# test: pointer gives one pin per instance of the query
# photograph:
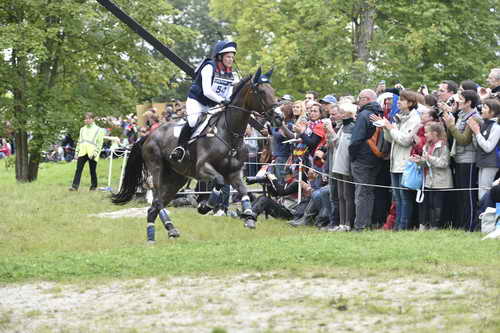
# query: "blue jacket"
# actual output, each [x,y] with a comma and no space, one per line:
[196,90]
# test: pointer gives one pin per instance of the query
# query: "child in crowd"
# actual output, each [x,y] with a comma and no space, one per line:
[437,174]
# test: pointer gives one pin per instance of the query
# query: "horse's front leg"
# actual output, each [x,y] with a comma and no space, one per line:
[205,170]
[246,207]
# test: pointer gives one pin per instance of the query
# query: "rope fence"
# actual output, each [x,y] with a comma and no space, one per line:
[123,153]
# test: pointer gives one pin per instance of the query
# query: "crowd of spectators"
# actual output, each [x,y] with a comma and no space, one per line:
[355,150]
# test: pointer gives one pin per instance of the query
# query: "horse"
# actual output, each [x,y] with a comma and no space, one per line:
[218,156]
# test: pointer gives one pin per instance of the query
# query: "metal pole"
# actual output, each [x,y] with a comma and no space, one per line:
[300,182]
[110,169]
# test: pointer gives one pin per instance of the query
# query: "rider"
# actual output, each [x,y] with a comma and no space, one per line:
[213,85]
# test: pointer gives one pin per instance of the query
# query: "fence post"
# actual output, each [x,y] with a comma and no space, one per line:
[299,198]
[125,157]
[110,169]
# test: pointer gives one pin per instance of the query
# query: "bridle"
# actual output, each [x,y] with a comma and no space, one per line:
[267,114]
[258,94]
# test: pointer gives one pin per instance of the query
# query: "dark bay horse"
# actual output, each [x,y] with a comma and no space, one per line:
[218,157]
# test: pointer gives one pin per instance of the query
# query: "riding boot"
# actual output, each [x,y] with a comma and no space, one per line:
[179,152]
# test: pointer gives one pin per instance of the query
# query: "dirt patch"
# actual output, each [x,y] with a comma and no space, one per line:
[129,212]
[243,303]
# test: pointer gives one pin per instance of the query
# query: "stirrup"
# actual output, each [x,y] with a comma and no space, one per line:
[178,154]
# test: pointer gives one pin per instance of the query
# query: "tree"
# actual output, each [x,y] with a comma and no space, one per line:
[63,58]
[455,40]
[344,46]
[206,31]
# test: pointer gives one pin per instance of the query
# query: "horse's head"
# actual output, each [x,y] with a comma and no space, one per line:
[264,101]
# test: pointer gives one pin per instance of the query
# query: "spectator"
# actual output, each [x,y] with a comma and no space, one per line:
[436,162]
[286,206]
[286,99]
[446,90]
[401,135]
[341,167]
[299,111]
[364,164]
[332,126]
[380,88]
[253,150]
[430,101]
[311,96]
[5,149]
[154,122]
[494,83]
[68,145]
[312,135]
[428,115]
[468,85]
[88,149]
[464,154]
[486,139]
[281,151]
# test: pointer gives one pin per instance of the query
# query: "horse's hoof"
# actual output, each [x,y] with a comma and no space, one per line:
[250,224]
[173,233]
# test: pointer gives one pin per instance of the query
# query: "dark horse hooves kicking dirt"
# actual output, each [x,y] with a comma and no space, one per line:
[218,155]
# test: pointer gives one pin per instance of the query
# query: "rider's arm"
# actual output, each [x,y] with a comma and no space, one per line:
[206,79]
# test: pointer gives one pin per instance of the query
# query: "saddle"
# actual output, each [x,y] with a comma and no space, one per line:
[204,127]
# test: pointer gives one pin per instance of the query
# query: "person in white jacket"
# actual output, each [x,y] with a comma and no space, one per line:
[401,133]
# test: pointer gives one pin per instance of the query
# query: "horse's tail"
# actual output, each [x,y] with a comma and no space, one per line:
[133,175]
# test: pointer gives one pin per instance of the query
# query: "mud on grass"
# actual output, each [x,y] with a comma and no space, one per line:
[268,302]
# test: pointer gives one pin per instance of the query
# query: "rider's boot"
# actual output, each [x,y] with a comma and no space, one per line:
[179,152]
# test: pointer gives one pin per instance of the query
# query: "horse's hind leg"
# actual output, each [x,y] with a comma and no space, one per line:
[170,183]
[154,210]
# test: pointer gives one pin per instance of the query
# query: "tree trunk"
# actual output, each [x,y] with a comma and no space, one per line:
[363,29]
[22,156]
[34,161]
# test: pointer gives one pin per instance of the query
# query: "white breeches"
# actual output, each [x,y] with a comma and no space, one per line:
[193,110]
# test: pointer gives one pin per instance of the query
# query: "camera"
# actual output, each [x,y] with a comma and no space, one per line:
[257,180]
[278,119]
[451,101]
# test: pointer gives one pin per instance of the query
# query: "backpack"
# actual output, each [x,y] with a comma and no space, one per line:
[377,143]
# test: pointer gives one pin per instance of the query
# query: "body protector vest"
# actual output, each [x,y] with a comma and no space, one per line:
[222,84]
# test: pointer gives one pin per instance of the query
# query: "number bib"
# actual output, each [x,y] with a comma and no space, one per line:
[223,84]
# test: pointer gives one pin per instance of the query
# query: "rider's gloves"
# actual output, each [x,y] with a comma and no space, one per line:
[226,102]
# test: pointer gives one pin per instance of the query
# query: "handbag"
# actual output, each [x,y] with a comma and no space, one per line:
[413,176]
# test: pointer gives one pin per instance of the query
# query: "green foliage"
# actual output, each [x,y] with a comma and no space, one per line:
[454,40]
[312,43]
[64,58]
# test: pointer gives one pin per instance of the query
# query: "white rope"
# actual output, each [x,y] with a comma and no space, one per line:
[374,185]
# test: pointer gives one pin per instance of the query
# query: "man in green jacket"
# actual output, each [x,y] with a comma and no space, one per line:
[88,149]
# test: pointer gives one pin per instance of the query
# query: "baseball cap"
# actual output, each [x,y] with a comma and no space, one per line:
[328,99]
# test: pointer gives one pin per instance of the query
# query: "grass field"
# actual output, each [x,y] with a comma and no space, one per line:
[47,234]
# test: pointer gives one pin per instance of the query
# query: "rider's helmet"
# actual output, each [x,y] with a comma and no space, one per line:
[222,47]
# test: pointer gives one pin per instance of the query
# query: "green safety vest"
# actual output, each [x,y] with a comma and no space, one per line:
[90,141]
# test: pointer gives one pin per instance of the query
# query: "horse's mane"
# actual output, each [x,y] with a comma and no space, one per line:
[239,86]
